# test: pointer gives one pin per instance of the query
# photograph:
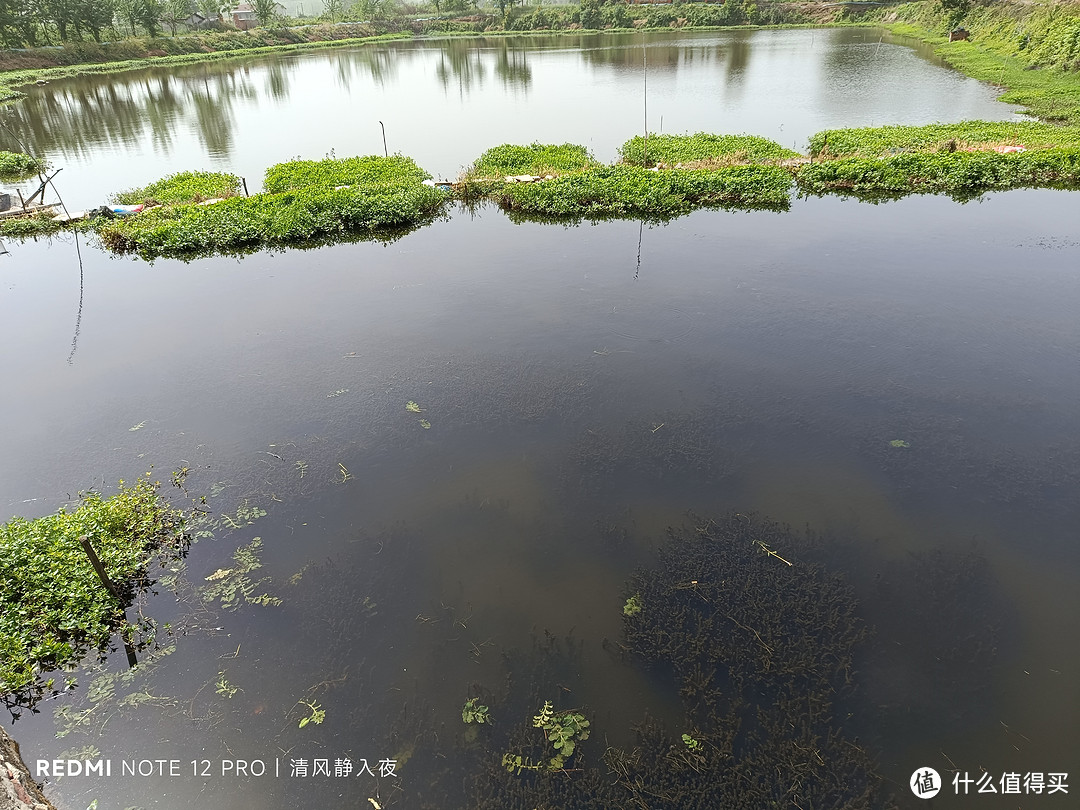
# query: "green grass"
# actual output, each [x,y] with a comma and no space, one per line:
[702,150]
[271,219]
[16,166]
[332,172]
[962,175]
[614,191]
[183,187]
[879,141]
[537,159]
[53,608]
[1031,50]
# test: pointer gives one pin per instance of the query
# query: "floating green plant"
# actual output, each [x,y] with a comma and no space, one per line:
[632,606]
[702,150]
[564,730]
[53,607]
[536,159]
[232,587]
[183,187]
[899,443]
[472,712]
[316,713]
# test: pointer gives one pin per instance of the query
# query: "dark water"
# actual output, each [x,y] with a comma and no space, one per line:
[585,388]
[445,102]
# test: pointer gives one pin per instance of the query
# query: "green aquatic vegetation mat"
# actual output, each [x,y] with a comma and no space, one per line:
[16,166]
[875,142]
[183,187]
[960,174]
[285,218]
[536,159]
[332,172]
[54,608]
[703,149]
[632,191]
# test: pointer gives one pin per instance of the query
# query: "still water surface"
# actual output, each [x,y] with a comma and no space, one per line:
[585,387]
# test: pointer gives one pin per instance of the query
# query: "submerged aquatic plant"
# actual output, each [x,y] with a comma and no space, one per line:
[472,712]
[232,587]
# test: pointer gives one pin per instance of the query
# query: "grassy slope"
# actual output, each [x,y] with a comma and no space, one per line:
[1033,51]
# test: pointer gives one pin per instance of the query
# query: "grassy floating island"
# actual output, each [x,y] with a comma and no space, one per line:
[305,200]
[962,160]
[702,151]
[573,185]
[16,166]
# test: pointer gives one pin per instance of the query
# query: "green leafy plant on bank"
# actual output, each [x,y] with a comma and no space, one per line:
[702,150]
[1030,50]
[183,187]
[53,607]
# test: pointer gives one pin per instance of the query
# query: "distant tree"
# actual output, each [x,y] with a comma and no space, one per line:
[174,12]
[266,11]
[148,14]
[333,10]
[213,8]
[96,15]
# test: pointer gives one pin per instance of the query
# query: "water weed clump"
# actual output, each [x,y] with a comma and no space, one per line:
[333,172]
[16,166]
[962,175]
[702,150]
[873,142]
[54,607]
[183,187]
[536,159]
[271,219]
[610,191]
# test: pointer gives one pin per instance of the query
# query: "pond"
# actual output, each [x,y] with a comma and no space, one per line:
[458,447]
[444,102]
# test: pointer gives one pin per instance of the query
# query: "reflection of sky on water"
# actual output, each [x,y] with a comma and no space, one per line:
[443,103]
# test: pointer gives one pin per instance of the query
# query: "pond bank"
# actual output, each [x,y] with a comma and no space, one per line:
[1031,51]
[18,790]
[658,179]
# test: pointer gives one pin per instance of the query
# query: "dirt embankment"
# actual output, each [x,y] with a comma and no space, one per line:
[18,790]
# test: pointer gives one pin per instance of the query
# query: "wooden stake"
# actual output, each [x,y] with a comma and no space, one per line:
[95,561]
